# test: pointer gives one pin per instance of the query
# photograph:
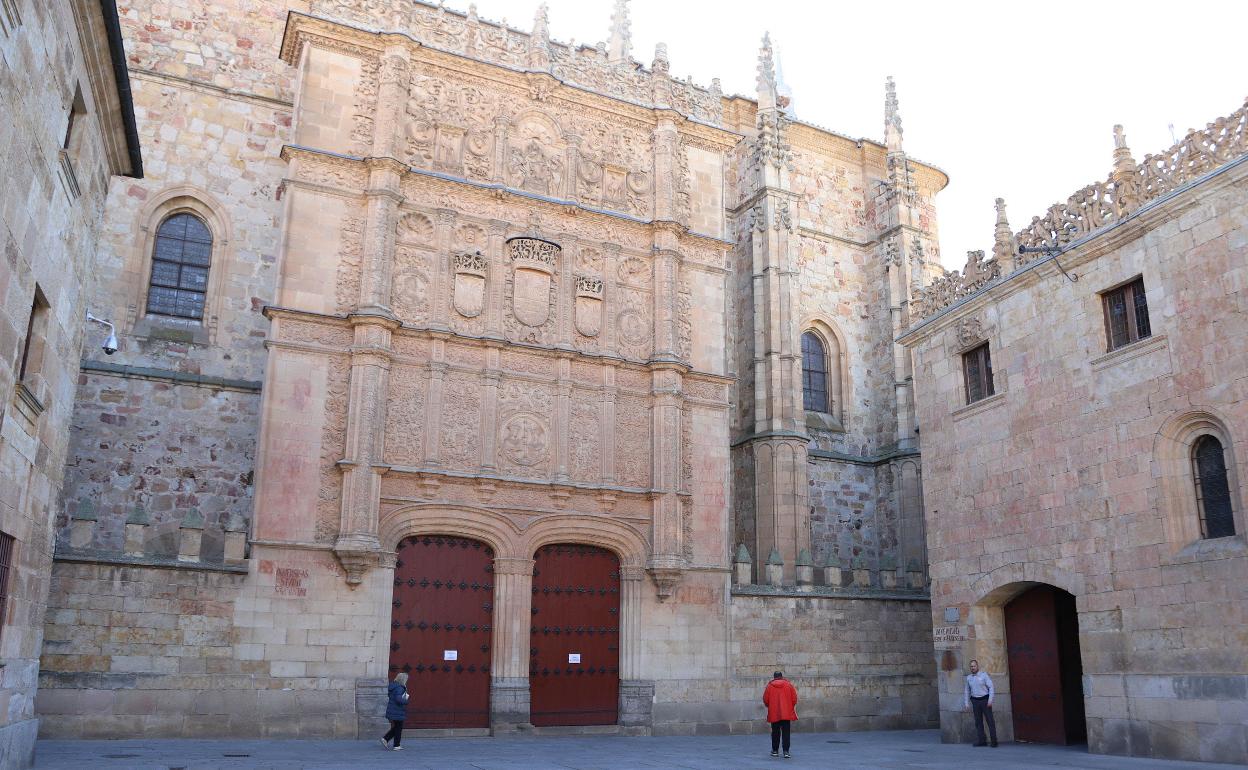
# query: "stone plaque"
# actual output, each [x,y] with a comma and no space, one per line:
[948,636]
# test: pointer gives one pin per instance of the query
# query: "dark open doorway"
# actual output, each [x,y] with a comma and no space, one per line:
[1046,673]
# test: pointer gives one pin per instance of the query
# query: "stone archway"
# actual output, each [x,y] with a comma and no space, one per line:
[1044,666]
[996,591]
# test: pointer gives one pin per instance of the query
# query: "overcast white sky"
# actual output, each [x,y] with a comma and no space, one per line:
[1011,99]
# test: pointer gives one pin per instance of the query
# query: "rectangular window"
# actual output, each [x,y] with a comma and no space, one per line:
[6,561]
[977,367]
[1126,314]
[36,333]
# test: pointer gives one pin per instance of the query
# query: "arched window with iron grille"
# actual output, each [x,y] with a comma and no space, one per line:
[181,259]
[1213,491]
[814,374]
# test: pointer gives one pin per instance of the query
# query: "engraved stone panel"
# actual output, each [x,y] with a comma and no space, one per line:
[588,305]
[405,411]
[584,438]
[632,441]
[461,418]
[409,294]
[524,433]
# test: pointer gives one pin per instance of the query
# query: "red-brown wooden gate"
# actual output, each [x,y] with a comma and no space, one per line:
[574,674]
[440,629]
[1042,649]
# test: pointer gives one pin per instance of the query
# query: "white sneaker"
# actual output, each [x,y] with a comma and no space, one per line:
[385,744]
[397,748]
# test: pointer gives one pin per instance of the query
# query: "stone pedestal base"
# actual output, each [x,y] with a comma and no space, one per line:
[636,706]
[509,706]
[370,707]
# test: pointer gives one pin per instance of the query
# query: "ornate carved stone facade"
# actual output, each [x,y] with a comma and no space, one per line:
[527,293]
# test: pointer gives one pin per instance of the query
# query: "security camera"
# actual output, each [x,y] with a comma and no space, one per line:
[110,345]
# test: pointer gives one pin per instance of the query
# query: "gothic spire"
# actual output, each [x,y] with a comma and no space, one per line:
[1004,247]
[620,43]
[539,40]
[892,117]
[768,94]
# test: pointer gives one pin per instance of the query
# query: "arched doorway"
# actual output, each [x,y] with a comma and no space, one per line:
[1046,674]
[574,674]
[440,629]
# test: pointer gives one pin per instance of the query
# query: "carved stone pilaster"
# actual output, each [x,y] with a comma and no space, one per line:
[607,416]
[443,277]
[393,76]
[562,422]
[631,578]
[433,406]
[501,124]
[489,411]
[610,263]
[509,664]
[494,302]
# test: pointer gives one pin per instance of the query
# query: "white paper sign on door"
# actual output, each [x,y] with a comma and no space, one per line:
[574,657]
[450,655]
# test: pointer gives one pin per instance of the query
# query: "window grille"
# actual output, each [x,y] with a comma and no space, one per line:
[1126,314]
[977,368]
[814,374]
[1213,491]
[180,263]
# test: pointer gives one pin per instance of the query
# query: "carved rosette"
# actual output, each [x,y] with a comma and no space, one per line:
[588,315]
[470,275]
[534,262]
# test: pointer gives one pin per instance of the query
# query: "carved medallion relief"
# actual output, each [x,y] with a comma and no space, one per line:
[524,434]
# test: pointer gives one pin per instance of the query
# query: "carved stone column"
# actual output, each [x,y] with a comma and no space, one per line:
[494,300]
[509,666]
[636,694]
[667,559]
[567,292]
[562,418]
[610,303]
[573,167]
[433,405]
[442,277]
[501,124]
[489,409]
[607,431]
[392,92]
[381,207]
[357,546]
[666,265]
[666,142]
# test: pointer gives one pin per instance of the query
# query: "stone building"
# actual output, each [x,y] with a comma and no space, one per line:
[1083,401]
[68,128]
[566,385]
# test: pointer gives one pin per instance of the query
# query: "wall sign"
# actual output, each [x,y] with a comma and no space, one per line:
[450,655]
[574,657]
[948,636]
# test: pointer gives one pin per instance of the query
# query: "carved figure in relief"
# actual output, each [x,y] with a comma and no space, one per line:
[531,170]
[447,150]
[524,440]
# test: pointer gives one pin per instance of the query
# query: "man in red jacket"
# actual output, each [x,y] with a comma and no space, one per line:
[780,698]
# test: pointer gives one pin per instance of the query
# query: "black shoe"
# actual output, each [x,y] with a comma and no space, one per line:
[775,753]
[993,744]
[787,755]
[977,745]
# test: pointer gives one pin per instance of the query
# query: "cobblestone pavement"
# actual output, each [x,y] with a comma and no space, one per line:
[906,749]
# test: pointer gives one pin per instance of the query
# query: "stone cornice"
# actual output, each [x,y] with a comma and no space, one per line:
[557,205]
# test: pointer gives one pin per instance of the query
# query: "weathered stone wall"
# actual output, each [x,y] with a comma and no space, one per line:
[858,664]
[273,649]
[157,451]
[50,217]
[1078,474]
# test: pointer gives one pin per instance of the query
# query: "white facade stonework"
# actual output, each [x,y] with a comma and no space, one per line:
[470,281]
[1078,473]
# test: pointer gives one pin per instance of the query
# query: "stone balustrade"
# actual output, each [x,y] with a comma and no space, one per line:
[1128,187]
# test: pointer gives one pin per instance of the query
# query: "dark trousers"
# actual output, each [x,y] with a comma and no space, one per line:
[780,730]
[396,732]
[982,712]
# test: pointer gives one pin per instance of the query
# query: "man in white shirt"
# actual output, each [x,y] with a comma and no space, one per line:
[980,694]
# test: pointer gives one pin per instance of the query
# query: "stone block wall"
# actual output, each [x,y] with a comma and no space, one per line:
[162,452]
[1078,474]
[54,63]
[272,649]
[858,664]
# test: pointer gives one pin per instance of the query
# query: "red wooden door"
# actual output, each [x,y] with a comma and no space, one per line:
[1035,667]
[440,629]
[574,674]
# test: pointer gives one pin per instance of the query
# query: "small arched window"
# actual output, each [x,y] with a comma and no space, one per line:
[814,374]
[1213,491]
[180,262]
